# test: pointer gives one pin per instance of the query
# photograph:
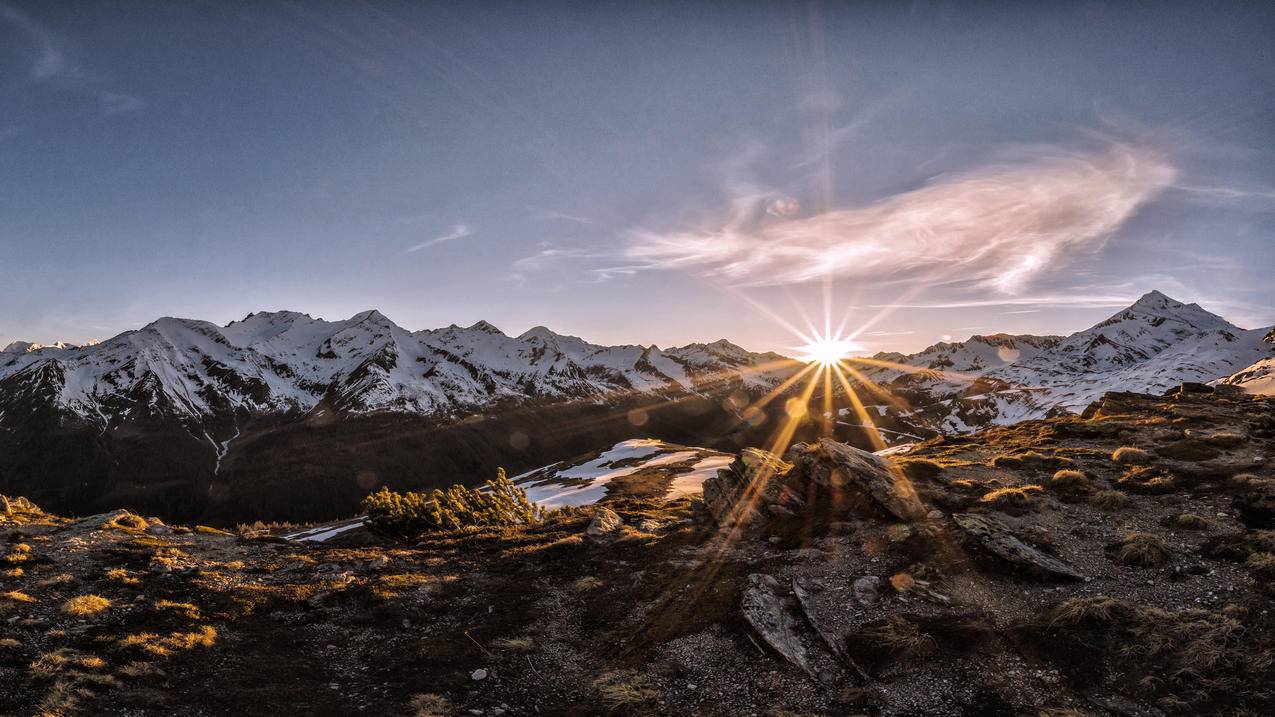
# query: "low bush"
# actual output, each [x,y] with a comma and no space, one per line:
[498,503]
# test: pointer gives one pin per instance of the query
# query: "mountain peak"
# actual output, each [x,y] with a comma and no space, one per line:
[1156,300]
[485,327]
[370,314]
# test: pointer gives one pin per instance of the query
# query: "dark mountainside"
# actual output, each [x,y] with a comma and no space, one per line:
[1112,564]
[281,416]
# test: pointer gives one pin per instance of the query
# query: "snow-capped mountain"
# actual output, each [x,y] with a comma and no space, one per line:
[1259,377]
[1153,345]
[274,362]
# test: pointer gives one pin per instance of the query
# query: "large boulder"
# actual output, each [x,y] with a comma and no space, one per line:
[815,485]
[843,471]
[750,486]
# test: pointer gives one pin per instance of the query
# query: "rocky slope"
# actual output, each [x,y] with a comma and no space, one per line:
[1115,563]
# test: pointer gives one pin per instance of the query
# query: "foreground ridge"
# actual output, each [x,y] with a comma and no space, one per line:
[1014,571]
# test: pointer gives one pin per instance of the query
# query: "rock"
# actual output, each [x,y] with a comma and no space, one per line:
[159,529]
[1188,450]
[606,524]
[755,479]
[837,467]
[478,675]
[996,538]
[834,644]
[767,611]
[649,526]
[867,589]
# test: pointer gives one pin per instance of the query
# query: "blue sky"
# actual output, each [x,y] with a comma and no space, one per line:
[635,173]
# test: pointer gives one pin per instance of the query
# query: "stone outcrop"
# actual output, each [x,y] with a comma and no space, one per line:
[824,480]
[995,538]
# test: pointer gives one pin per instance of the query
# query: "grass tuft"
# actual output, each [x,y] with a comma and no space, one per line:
[84,605]
[623,690]
[1070,482]
[1130,455]
[1142,549]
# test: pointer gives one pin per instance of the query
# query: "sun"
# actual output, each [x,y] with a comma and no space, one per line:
[827,351]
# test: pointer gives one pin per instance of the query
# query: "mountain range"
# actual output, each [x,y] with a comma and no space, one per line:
[287,416]
[1149,347]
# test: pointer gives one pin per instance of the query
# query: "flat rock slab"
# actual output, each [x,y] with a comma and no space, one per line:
[997,538]
[766,609]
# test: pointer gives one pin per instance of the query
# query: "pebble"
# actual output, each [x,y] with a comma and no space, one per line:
[478,675]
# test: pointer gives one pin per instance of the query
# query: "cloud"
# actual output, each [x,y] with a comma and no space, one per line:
[53,64]
[997,227]
[460,231]
[551,214]
[50,59]
[114,103]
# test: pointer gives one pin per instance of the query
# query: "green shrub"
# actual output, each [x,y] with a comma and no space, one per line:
[498,503]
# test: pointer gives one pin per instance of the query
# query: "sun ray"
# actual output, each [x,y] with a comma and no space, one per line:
[874,436]
[890,399]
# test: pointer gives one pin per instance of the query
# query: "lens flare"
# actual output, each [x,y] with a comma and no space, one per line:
[827,351]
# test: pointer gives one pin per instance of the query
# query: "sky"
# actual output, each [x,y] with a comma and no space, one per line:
[635,172]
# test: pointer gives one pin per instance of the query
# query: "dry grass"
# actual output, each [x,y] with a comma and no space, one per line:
[388,587]
[1086,610]
[1148,479]
[1223,439]
[127,522]
[901,637]
[430,705]
[17,596]
[85,605]
[58,580]
[1070,482]
[515,644]
[919,468]
[164,645]
[1190,521]
[1199,659]
[586,584]
[1142,549]
[122,576]
[1109,500]
[623,690]
[1014,498]
[205,530]
[9,643]
[1029,459]
[1262,565]
[1130,455]
[187,610]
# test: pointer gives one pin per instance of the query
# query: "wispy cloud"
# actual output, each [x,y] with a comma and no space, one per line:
[998,227]
[554,215]
[52,63]
[459,231]
[49,59]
